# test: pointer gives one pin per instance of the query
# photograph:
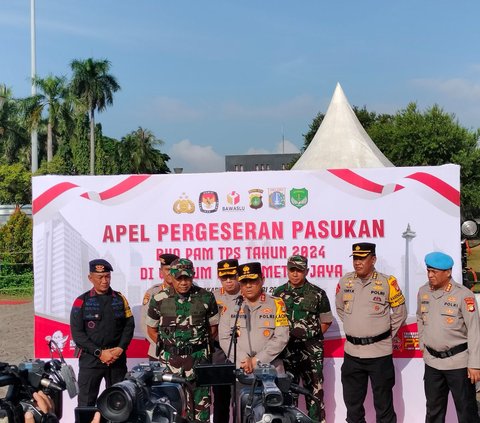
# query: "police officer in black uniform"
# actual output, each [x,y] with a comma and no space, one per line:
[102,327]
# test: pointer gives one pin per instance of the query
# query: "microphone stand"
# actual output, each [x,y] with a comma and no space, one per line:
[233,342]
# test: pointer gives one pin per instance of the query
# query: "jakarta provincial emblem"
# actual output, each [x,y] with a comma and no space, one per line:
[276,198]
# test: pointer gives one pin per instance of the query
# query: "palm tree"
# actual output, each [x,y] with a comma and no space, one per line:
[92,83]
[53,92]
[14,142]
[141,154]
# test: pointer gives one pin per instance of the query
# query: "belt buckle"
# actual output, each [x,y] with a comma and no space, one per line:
[364,341]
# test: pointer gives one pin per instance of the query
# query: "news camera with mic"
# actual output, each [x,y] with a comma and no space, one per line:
[270,397]
[147,395]
[29,377]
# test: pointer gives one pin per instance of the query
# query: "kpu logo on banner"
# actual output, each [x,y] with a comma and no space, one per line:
[276,198]
[183,205]
[256,198]
[298,197]
[208,201]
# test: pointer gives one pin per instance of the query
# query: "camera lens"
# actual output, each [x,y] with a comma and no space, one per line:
[115,403]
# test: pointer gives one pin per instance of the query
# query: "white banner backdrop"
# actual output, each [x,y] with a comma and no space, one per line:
[254,216]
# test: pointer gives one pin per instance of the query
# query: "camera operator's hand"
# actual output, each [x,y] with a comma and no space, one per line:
[44,403]
[248,364]
[96,417]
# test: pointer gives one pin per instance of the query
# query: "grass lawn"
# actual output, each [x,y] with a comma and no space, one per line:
[473,259]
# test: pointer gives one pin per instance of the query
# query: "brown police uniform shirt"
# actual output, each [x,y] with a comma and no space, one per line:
[225,302]
[149,293]
[369,308]
[263,330]
[446,318]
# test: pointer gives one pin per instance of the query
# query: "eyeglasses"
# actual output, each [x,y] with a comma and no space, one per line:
[229,277]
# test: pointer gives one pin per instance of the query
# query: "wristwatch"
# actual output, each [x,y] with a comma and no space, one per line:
[97,353]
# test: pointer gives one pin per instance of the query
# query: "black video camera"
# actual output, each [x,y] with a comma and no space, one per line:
[147,395]
[29,377]
[271,397]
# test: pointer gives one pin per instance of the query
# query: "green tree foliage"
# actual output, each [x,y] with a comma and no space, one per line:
[94,86]
[430,138]
[15,184]
[14,140]
[140,153]
[16,259]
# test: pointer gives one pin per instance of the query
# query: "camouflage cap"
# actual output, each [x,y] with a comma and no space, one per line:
[100,266]
[297,262]
[182,267]
[167,259]
[227,267]
[249,271]
[363,249]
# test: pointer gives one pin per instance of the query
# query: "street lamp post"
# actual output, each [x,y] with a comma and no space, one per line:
[34,134]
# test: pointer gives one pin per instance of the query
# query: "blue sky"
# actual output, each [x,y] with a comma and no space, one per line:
[212,78]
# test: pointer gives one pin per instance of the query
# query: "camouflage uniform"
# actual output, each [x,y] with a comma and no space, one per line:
[183,323]
[165,260]
[307,308]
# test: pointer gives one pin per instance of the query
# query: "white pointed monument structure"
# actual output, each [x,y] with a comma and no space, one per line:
[340,141]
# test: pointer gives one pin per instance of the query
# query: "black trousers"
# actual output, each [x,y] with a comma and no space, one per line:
[221,404]
[89,380]
[355,374]
[437,385]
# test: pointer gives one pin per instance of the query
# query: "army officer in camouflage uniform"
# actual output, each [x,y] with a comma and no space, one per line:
[372,309]
[183,319]
[262,324]
[165,261]
[449,335]
[309,317]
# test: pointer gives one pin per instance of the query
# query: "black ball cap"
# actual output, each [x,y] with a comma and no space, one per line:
[100,266]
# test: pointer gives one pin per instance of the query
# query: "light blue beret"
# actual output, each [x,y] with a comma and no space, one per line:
[440,261]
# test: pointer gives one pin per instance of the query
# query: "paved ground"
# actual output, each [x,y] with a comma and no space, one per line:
[16,331]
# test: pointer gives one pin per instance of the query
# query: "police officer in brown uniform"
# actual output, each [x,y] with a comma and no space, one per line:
[165,261]
[449,335]
[263,330]
[372,309]
[227,271]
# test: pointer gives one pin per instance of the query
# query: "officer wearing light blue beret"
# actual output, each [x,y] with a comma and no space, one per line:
[449,336]
[438,260]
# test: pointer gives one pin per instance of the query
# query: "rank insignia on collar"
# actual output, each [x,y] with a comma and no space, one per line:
[448,288]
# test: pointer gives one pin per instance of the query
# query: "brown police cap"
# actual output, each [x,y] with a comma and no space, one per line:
[227,267]
[363,249]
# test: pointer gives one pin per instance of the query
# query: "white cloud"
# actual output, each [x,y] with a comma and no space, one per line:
[286,147]
[454,88]
[195,158]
